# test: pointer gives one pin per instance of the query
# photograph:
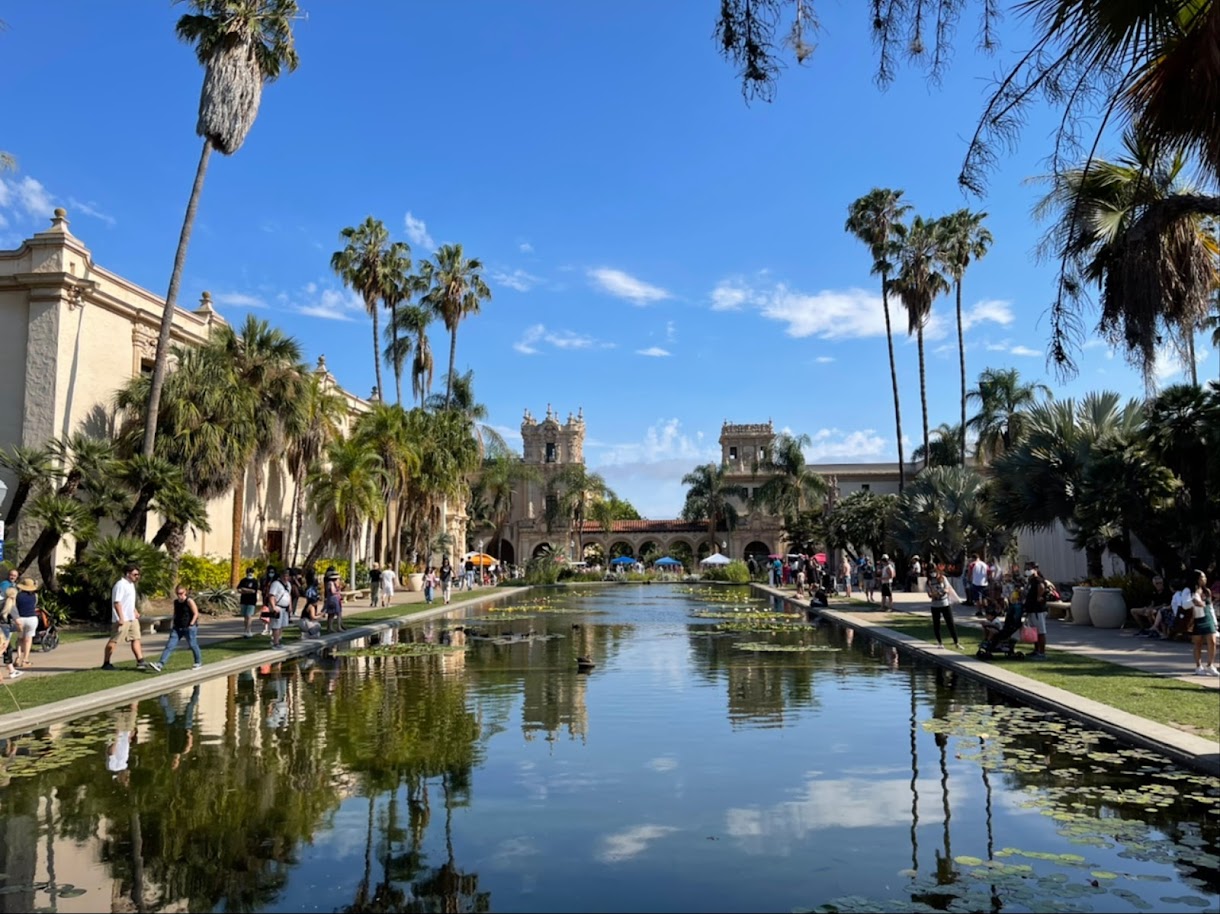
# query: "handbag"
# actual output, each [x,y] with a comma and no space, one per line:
[1029,634]
[954,599]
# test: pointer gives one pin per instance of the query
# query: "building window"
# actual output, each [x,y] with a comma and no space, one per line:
[762,454]
[275,544]
[551,452]
[146,367]
[732,453]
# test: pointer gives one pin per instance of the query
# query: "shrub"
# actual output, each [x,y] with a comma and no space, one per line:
[197,573]
[87,584]
[542,569]
[1137,589]
[734,572]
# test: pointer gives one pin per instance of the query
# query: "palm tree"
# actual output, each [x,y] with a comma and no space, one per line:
[943,451]
[1003,403]
[34,468]
[241,45]
[362,266]
[385,430]
[145,476]
[491,442]
[874,219]
[317,426]
[398,284]
[500,480]
[266,364]
[344,494]
[415,320]
[455,290]
[82,458]
[1148,284]
[918,283]
[708,498]
[578,490]
[793,487]
[963,239]
[59,515]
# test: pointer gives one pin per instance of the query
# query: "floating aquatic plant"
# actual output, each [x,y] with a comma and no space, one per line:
[768,646]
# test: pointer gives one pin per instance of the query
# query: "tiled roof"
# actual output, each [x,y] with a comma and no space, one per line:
[647,526]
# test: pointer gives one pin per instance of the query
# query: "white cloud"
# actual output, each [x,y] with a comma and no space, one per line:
[90,209]
[239,300]
[525,247]
[992,310]
[559,339]
[26,198]
[417,232]
[631,842]
[517,279]
[671,331]
[662,763]
[623,285]
[1025,351]
[664,440]
[824,359]
[730,295]
[655,351]
[329,303]
[838,446]
[1171,363]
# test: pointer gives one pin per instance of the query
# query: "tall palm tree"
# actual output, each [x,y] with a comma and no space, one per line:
[917,283]
[578,490]
[344,494]
[709,498]
[266,363]
[1150,285]
[874,219]
[385,430]
[34,468]
[398,284]
[963,239]
[491,442]
[361,265]
[318,425]
[241,44]
[500,480]
[792,487]
[455,291]
[1003,404]
[943,451]
[59,515]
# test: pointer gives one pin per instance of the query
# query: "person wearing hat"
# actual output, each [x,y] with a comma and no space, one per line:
[887,572]
[27,620]
[333,603]
[914,571]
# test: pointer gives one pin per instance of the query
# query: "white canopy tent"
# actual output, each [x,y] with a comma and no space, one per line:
[715,559]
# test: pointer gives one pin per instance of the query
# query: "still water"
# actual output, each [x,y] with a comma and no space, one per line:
[695,767]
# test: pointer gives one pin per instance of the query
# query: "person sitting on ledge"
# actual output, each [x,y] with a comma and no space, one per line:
[819,598]
[1149,617]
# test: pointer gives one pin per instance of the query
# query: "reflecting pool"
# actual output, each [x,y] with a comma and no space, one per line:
[717,755]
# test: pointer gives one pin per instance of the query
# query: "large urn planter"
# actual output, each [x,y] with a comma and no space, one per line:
[415,581]
[1107,608]
[1079,613]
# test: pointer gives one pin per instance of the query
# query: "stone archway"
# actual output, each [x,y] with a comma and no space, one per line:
[621,547]
[757,550]
[543,549]
[504,552]
[647,550]
[681,550]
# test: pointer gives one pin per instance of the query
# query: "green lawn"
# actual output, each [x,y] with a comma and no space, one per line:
[33,691]
[1184,705]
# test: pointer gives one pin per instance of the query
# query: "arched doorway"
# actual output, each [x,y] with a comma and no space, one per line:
[504,552]
[758,551]
[681,550]
[621,547]
[543,549]
[649,551]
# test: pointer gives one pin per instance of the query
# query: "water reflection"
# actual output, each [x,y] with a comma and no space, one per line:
[501,776]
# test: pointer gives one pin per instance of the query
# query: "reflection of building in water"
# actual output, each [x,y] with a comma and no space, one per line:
[554,702]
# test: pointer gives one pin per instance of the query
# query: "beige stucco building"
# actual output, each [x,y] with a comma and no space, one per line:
[71,333]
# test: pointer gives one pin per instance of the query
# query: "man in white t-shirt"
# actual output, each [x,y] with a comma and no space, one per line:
[389,579]
[279,600]
[124,617]
[886,571]
[978,580]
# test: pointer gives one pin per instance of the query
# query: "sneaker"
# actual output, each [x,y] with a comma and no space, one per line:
[109,666]
[140,665]
[1213,671]
[1034,655]
[197,666]
[1155,636]
[248,635]
[154,666]
[1201,671]
[16,674]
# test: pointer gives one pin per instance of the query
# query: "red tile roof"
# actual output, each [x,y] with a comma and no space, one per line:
[647,526]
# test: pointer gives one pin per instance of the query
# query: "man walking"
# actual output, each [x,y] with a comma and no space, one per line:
[888,571]
[249,590]
[124,617]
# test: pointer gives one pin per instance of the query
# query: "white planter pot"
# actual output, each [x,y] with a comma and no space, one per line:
[415,581]
[1079,614]
[1107,608]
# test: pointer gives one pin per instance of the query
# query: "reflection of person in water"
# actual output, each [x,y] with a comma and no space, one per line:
[277,708]
[180,733]
[118,753]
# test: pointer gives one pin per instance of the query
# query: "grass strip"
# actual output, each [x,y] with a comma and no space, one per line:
[30,692]
[1184,705]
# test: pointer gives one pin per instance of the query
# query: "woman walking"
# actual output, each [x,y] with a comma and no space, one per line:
[1204,632]
[186,628]
[446,579]
[429,583]
[27,619]
[938,589]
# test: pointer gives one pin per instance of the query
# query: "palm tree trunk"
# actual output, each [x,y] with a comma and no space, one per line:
[452,359]
[961,359]
[397,356]
[161,362]
[923,394]
[376,352]
[294,519]
[1190,350]
[137,517]
[239,498]
[20,494]
[175,545]
[889,339]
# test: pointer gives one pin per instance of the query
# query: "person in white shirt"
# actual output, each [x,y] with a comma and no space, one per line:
[978,580]
[124,617]
[279,599]
[389,580]
[887,572]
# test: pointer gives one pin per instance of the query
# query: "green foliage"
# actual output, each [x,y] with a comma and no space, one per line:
[86,585]
[860,522]
[197,573]
[218,601]
[1137,588]
[735,572]
[542,569]
[621,509]
[340,565]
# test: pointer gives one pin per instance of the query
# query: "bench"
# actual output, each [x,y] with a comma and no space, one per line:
[148,624]
[358,594]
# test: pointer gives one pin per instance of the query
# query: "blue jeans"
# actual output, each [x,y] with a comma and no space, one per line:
[192,639]
[427,593]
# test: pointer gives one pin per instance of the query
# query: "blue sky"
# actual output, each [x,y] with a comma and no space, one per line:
[661,254]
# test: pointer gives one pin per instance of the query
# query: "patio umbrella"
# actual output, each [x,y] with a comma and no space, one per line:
[623,560]
[667,561]
[820,557]
[482,559]
[716,558]
[774,556]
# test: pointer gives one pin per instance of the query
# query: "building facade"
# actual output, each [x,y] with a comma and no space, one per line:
[72,333]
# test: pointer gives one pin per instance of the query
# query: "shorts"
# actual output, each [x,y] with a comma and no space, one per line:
[248,610]
[279,619]
[887,590]
[1037,621]
[28,625]
[310,629]
[125,631]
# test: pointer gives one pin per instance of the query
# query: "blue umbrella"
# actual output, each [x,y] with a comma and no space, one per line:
[667,561]
[623,560]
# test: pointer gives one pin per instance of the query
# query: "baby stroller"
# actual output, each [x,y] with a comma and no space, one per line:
[1004,642]
[47,636]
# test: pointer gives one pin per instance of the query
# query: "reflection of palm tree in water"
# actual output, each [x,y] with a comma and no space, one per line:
[446,888]
[914,776]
